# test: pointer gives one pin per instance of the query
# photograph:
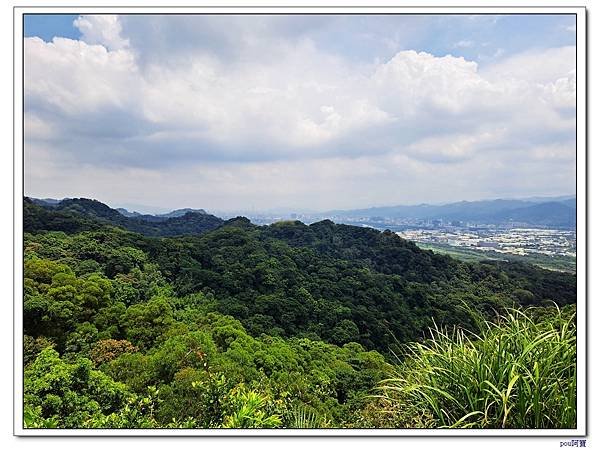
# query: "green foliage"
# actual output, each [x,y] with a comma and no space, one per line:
[68,394]
[287,325]
[195,393]
[57,302]
[82,214]
[249,409]
[108,349]
[138,412]
[33,346]
[197,370]
[516,373]
[145,322]
[302,417]
[32,418]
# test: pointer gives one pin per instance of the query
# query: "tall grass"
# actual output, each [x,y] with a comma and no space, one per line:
[516,372]
[304,417]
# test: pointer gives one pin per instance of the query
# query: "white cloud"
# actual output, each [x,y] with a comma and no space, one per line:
[273,106]
[36,128]
[559,152]
[455,148]
[77,78]
[562,91]
[411,83]
[103,30]
[535,66]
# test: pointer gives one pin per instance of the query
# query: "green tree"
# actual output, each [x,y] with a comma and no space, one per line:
[70,394]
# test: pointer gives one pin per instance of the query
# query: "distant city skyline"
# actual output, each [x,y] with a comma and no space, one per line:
[299,112]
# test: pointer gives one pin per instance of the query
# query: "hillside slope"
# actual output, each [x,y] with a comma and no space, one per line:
[336,283]
[77,212]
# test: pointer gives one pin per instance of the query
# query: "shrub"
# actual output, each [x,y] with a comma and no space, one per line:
[518,372]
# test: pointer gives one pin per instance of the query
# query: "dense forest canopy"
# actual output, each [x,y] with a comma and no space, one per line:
[77,214]
[233,324]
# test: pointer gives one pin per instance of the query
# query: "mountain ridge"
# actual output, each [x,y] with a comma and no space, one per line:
[556,212]
[76,213]
[547,212]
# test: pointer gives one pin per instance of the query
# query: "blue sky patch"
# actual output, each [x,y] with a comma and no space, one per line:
[48,26]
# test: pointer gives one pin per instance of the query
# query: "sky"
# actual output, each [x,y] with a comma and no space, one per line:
[310,112]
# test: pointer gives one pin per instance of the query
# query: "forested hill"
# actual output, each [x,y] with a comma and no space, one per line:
[335,283]
[79,214]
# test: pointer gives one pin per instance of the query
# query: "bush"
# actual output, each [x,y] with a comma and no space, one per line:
[518,372]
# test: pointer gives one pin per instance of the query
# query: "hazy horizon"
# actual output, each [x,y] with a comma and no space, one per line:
[231,113]
[154,209]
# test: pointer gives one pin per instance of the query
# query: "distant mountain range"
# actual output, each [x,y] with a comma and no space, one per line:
[83,213]
[175,213]
[552,212]
[545,212]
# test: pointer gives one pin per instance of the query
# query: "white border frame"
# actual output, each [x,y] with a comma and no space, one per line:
[581,170]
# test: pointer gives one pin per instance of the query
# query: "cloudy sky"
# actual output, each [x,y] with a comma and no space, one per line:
[305,112]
